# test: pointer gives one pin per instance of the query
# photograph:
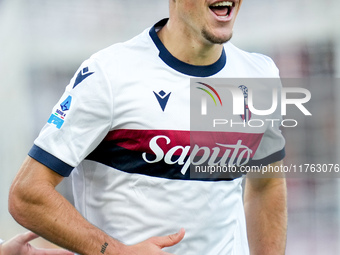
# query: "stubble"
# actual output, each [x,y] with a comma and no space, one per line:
[214,39]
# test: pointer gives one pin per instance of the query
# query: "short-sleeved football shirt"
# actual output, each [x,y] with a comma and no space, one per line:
[122,130]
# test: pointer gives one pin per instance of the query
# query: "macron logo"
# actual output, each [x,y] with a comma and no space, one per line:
[82,75]
[162,98]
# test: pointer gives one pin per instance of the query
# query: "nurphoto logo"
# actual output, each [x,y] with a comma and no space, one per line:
[255,101]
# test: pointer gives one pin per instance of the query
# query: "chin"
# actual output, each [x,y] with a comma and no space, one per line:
[216,39]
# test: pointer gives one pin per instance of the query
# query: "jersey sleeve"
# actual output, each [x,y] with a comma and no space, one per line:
[272,146]
[78,122]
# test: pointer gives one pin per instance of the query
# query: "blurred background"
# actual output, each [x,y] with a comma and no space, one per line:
[43,42]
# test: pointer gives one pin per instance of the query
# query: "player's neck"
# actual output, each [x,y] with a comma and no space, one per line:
[188,48]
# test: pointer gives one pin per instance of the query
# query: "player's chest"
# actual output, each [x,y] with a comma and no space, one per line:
[155,103]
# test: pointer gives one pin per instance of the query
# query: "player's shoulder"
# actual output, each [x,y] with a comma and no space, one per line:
[119,59]
[256,60]
[123,51]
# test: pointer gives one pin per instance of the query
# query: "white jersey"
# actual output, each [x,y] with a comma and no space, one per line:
[117,127]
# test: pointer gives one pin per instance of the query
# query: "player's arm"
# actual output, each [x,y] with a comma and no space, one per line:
[266,214]
[36,205]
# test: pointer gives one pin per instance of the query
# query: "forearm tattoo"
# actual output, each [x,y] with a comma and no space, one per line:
[104,246]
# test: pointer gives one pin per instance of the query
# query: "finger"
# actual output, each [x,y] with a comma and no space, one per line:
[52,252]
[166,253]
[169,240]
[29,236]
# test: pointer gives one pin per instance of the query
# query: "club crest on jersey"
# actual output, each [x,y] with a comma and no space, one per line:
[162,98]
[247,114]
[58,118]
[82,75]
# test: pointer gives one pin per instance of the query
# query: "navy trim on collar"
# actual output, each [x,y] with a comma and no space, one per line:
[180,66]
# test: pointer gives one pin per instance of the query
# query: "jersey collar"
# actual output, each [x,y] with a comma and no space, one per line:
[180,66]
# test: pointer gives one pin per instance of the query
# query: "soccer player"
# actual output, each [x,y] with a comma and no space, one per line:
[19,245]
[122,130]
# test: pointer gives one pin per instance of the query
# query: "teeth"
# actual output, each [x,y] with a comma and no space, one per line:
[224,3]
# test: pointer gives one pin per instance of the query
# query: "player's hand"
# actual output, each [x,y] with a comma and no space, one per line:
[154,245]
[19,245]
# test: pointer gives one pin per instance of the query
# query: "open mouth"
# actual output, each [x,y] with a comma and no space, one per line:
[222,9]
